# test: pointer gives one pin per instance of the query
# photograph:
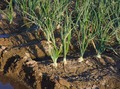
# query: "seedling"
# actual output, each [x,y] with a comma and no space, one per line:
[66,30]
[9,12]
[105,27]
[85,28]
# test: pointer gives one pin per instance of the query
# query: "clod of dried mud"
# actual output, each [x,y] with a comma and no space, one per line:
[22,68]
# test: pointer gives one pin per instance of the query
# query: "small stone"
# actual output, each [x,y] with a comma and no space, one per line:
[103,83]
[27,54]
[95,87]
[89,63]
[3,47]
[107,85]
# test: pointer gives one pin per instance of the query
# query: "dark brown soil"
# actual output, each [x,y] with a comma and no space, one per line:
[30,64]
[9,82]
[24,57]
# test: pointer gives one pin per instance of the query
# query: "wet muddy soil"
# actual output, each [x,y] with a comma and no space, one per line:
[10,83]
[24,57]
[30,63]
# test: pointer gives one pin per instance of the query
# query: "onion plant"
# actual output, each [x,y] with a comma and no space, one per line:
[66,30]
[116,9]
[27,6]
[105,26]
[85,27]
[54,14]
[48,16]
[53,50]
[9,12]
[117,34]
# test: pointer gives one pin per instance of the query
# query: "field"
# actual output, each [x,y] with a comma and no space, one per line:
[61,44]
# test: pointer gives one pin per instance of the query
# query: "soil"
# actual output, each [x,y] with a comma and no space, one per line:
[25,58]
[8,83]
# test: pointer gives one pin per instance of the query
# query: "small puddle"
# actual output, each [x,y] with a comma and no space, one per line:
[9,83]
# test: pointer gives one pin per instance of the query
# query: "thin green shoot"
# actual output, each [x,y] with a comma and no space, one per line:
[26,8]
[105,28]
[85,27]
[117,34]
[53,49]
[9,12]
[66,30]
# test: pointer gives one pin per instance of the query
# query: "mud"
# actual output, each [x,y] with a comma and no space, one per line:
[30,64]
[10,83]
[24,57]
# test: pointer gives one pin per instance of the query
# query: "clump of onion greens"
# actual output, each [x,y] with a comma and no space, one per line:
[9,12]
[105,27]
[66,30]
[85,27]
[48,16]
[26,7]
